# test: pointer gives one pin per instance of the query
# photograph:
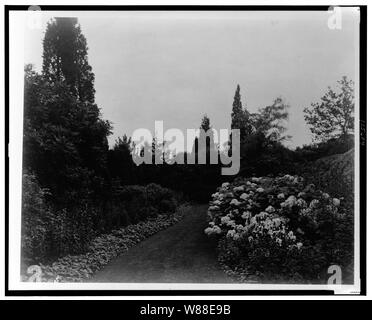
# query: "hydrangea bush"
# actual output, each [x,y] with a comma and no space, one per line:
[271,227]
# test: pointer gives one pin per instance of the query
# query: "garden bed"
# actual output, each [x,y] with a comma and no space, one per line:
[78,268]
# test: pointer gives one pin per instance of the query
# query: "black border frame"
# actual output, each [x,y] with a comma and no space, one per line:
[362,167]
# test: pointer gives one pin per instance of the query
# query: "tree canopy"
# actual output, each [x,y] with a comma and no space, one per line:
[65,137]
[333,115]
[65,57]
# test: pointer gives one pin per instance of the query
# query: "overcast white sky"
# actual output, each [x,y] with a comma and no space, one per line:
[176,66]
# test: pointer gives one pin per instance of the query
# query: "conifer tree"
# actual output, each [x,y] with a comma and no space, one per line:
[240,118]
[65,57]
[237,110]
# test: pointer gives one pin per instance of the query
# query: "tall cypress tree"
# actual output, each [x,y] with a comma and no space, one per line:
[240,117]
[65,58]
[237,110]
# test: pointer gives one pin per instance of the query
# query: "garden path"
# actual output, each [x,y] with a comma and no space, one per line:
[182,253]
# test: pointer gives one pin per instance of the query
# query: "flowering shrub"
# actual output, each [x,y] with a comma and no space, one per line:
[77,268]
[272,226]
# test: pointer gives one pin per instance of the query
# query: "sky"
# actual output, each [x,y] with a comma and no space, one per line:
[178,66]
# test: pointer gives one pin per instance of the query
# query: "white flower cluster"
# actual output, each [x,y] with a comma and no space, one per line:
[213,230]
[260,206]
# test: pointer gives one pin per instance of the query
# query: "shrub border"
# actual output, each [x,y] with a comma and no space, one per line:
[105,248]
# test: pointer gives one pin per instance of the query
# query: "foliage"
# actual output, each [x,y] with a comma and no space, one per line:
[65,58]
[261,137]
[102,249]
[80,189]
[319,150]
[270,121]
[65,140]
[271,227]
[142,202]
[120,163]
[48,232]
[240,117]
[193,181]
[34,211]
[333,173]
[209,147]
[262,158]
[333,117]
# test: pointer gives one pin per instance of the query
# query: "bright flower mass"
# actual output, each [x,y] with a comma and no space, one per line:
[267,216]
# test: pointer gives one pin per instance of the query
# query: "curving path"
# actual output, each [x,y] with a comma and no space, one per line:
[182,253]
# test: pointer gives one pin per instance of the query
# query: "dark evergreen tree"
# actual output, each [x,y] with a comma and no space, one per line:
[65,58]
[237,110]
[65,137]
[240,117]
